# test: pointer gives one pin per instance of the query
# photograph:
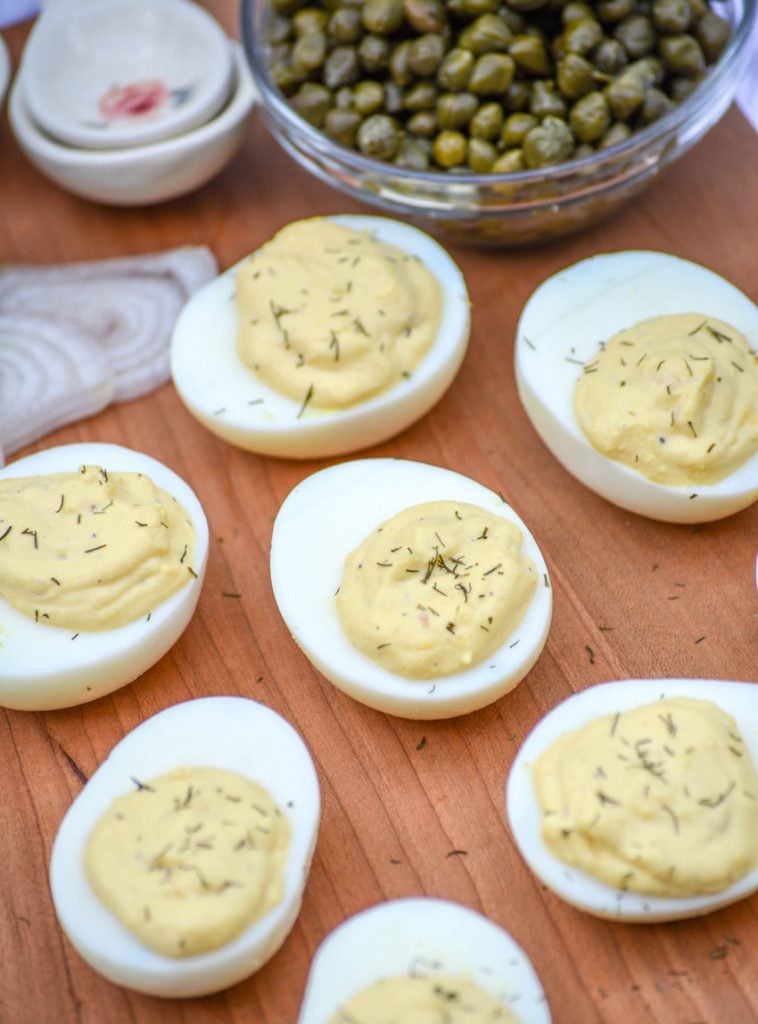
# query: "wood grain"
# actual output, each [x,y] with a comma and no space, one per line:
[399,796]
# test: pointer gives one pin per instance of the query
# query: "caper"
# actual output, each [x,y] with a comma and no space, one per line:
[637,35]
[285,76]
[545,100]
[421,96]
[278,29]
[455,110]
[516,127]
[423,124]
[680,88]
[671,15]
[379,136]
[489,33]
[394,98]
[583,149]
[575,76]
[610,12]
[713,34]
[683,56]
[374,53]
[649,70]
[399,66]
[425,54]
[590,117]
[575,10]
[610,57]
[342,125]
[412,156]
[531,56]
[516,22]
[655,105]
[519,95]
[309,19]
[487,122]
[309,52]
[582,36]
[625,94]
[312,100]
[449,149]
[454,71]
[425,15]
[509,163]
[345,25]
[383,16]
[617,133]
[343,98]
[492,74]
[368,97]
[548,143]
[480,155]
[341,67]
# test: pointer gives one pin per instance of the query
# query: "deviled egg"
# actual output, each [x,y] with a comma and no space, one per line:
[438,950]
[674,344]
[230,734]
[389,575]
[669,811]
[103,553]
[288,398]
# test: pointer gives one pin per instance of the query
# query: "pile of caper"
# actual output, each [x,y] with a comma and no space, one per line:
[485,86]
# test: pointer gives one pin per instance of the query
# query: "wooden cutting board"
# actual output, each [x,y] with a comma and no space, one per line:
[399,796]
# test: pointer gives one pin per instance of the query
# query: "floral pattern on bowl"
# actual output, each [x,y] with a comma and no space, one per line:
[149,97]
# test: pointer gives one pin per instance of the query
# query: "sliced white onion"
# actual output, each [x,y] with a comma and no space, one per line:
[50,375]
[128,305]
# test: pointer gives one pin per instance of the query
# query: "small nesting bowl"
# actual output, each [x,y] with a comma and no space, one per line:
[501,210]
[126,72]
[140,175]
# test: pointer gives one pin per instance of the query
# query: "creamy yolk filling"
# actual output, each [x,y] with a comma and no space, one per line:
[436,589]
[661,799]
[437,999]
[674,397]
[331,316]
[188,860]
[91,550]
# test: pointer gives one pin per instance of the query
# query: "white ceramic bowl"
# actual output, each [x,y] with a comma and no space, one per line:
[126,72]
[140,175]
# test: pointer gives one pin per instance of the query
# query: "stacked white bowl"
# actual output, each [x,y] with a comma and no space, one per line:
[130,102]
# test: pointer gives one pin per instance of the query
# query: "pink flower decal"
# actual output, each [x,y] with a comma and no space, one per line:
[133,100]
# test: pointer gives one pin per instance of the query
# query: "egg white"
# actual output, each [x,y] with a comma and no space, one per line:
[43,667]
[578,887]
[231,733]
[319,524]
[425,936]
[559,331]
[236,404]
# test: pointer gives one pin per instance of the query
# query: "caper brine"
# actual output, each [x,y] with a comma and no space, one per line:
[485,87]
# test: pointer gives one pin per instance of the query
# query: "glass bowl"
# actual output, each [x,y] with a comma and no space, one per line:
[505,209]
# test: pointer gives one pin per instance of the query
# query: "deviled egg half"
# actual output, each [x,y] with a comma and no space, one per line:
[412,588]
[435,958]
[637,800]
[192,855]
[343,346]
[103,553]
[639,372]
